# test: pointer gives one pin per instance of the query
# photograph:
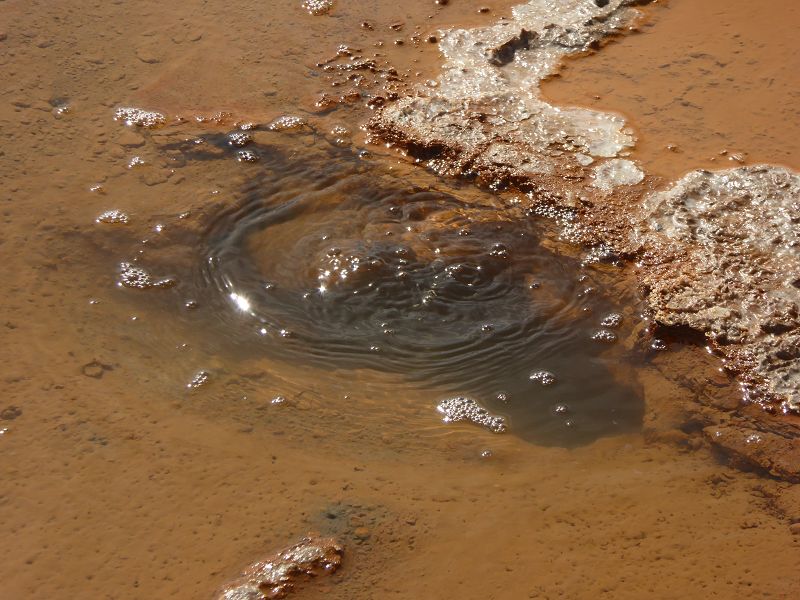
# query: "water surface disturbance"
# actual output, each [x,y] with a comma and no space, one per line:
[325,257]
[251,350]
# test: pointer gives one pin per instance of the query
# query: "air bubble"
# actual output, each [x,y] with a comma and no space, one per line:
[135,277]
[612,320]
[113,216]
[201,378]
[462,408]
[605,336]
[545,378]
[239,139]
[138,117]
[247,156]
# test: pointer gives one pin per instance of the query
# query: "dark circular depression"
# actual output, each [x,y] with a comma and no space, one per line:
[327,259]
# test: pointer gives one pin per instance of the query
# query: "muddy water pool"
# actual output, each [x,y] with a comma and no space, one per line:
[292,318]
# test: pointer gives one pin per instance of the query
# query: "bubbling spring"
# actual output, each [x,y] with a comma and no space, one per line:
[329,259]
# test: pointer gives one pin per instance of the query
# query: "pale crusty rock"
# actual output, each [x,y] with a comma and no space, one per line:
[276,576]
[717,251]
[616,172]
[731,270]
[485,114]
[733,275]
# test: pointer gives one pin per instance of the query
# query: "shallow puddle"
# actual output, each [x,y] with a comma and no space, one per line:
[235,327]
[325,257]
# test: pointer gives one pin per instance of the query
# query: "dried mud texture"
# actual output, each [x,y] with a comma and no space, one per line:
[276,576]
[718,251]
[731,269]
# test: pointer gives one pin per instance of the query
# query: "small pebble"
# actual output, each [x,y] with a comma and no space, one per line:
[10,413]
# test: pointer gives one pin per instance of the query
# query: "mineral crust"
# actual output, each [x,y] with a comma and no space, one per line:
[276,576]
[729,266]
[485,115]
[717,252]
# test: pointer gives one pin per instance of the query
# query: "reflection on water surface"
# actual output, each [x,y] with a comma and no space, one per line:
[119,481]
[324,257]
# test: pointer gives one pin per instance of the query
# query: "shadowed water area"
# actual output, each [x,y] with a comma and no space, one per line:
[324,256]
[233,323]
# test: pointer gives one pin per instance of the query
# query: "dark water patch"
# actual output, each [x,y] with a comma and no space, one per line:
[328,260]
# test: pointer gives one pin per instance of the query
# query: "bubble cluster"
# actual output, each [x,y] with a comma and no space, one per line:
[286,122]
[247,156]
[139,117]
[318,7]
[611,321]
[113,216]
[545,378]
[200,378]
[605,336]
[239,139]
[132,276]
[462,408]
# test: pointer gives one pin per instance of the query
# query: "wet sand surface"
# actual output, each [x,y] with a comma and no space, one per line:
[155,442]
[705,85]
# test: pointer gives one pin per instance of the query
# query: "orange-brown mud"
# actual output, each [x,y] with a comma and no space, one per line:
[707,85]
[119,481]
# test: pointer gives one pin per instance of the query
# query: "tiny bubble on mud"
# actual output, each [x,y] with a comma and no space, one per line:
[201,378]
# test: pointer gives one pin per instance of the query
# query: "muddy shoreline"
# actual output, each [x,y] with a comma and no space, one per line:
[154,447]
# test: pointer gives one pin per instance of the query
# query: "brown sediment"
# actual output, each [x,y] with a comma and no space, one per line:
[118,480]
[721,257]
[708,84]
[716,252]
